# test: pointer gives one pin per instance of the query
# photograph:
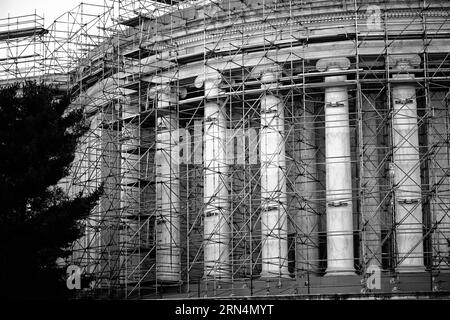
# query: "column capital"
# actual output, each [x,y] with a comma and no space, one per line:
[209,74]
[404,61]
[339,63]
[268,72]
[167,89]
[211,80]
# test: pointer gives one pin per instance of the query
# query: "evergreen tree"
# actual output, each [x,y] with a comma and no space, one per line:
[39,132]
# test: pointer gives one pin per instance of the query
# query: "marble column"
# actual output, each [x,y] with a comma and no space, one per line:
[371,219]
[217,229]
[109,215]
[168,224]
[406,163]
[274,224]
[307,218]
[129,187]
[439,179]
[340,256]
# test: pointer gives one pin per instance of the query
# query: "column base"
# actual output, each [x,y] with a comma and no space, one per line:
[268,275]
[444,271]
[168,277]
[410,269]
[220,278]
[340,272]
[444,268]
[217,273]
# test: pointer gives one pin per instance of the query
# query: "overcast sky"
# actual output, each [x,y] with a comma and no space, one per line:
[50,9]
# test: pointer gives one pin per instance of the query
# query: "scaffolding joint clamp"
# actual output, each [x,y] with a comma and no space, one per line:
[408,200]
[403,101]
[211,213]
[160,220]
[211,119]
[337,204]
[334,104]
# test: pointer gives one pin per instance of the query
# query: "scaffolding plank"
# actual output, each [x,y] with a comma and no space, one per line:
[22,33]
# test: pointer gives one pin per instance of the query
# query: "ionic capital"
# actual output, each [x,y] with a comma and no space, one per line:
[404,61]
[339,63]
[267,72]
[211,79]
[208,75]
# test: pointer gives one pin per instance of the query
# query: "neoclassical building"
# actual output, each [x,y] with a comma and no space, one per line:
[269,147]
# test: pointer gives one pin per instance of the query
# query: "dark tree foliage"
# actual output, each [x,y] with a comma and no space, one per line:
[38,220]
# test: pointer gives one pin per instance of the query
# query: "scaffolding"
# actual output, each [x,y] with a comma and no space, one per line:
[22,41]
[216,125]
